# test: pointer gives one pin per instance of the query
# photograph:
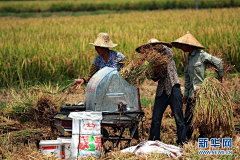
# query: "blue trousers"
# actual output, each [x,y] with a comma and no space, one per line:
[176,104]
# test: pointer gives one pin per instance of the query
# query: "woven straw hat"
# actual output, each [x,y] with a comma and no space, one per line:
[103,40]
[152,41]
[187,39]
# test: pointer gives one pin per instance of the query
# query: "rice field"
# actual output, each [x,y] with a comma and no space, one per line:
[92,5]
[56,48]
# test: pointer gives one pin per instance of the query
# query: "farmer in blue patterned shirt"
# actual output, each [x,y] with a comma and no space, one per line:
[105,58]
[194,71]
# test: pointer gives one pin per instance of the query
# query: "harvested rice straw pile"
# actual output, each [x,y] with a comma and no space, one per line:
[213,113]
[45,110]
[137,70]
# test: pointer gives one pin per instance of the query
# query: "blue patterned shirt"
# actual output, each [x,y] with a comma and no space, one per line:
[114,58]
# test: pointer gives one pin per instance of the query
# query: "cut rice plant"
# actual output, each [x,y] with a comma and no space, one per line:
[213,112]
[156,56]
[141,67]
[55,89]
[20,108]
[134,72]
[31,104]
[45,110]
[49,88]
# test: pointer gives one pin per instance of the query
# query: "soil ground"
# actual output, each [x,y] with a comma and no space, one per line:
[147,91]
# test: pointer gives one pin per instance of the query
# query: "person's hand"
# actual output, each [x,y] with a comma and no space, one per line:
[185,98]
[220,79]
[78,83]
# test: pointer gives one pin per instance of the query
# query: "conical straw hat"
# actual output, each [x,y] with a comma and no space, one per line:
[152,41]
[187,39]
[103,40]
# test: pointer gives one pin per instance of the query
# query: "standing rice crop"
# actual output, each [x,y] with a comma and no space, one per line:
[213,113]
[56,49]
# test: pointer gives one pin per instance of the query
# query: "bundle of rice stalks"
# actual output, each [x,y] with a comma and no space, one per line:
[213,113]
[33,105]
[45,110]
[135,72]
[152,58]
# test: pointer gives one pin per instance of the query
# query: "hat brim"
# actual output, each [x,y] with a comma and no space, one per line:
[153,43]
[105,46]
[180,45]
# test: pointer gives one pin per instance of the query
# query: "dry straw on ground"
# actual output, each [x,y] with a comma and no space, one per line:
[213,113]
[12,144]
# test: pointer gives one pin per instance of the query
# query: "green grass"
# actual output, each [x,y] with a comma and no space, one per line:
[3,105]
[58,14]
[84,5]
[146,101]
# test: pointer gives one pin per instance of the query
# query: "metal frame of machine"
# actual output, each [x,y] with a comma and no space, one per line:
[119,102]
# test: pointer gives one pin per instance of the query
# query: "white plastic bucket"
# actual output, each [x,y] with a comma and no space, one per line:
[66,147]
[86,115]
[50,147]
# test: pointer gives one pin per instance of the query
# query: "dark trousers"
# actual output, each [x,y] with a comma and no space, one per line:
[189,117]
[161,103]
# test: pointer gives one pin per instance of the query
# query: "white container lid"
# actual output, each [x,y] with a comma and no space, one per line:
[50,142]
[86,115]
[65,139]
